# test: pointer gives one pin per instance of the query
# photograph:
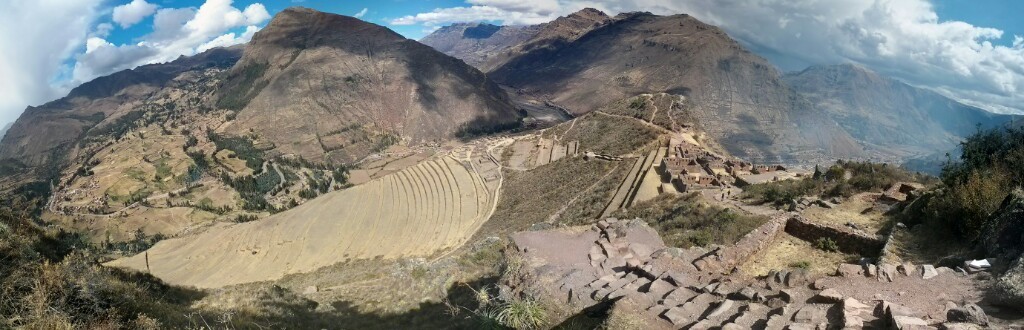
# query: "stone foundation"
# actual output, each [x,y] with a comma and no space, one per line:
[849,241]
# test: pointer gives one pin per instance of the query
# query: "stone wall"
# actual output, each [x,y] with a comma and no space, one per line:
[849,241]
[727,258]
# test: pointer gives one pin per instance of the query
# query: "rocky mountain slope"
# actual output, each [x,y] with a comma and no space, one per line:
[334,88]
[887,113]
[738,96]
[476,43]
[47,132]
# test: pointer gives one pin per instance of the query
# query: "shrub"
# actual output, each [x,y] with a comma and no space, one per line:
[992,163]
[802,264]
[863,177]
[827,244]
[683,221]
[522,314]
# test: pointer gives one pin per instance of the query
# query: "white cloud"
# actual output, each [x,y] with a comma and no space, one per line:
[474,13]
[361,13]
[540,7]
[229,39]
[176,32]
[103,30]
[36,36]
[133,12]
[902,38]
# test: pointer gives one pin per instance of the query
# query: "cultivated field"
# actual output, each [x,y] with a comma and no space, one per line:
[421,210]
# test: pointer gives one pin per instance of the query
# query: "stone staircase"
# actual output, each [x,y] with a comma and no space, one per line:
[664,288]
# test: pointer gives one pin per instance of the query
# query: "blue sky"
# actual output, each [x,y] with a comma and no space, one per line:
[972,51]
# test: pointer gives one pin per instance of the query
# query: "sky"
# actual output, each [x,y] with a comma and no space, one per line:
[972,51]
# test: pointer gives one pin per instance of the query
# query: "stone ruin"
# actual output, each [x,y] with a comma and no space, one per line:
[624,266]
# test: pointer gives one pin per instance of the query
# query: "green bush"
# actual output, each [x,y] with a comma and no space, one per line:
[990,166]
[863,177]
[684,221]
[827,244]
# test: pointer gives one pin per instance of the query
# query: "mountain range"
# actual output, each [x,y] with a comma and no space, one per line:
[335,89]
[739,98]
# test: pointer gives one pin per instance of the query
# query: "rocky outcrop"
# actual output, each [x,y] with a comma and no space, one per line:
[1003,237]
[1009,288]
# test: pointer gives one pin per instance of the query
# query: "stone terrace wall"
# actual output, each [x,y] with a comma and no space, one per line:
[727,258]
[848,240]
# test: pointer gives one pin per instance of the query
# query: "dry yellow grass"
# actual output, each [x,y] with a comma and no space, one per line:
[787,251]
[433,206]
[851,210]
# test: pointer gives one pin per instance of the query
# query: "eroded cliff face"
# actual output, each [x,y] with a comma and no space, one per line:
[335,88]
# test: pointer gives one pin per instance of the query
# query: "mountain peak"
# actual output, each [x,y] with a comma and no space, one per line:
[304,27]
[590,13]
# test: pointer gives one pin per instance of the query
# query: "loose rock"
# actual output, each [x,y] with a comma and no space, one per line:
[928,272]
[970,313]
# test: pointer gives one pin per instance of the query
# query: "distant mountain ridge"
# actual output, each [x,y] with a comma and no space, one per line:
[589,59]
[888,113]
[488,46]
[477,43]
[739,97]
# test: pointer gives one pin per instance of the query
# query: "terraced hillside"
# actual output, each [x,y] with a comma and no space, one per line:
[436,205]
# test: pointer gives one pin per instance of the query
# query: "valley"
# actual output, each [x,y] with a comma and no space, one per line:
[595,171]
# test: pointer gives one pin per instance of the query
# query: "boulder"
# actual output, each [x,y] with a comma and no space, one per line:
[905,268]
[775,303]
[829,296]
[746,293]
[887,272]
[1003,235]
[908,323]
[849,270]
[871,270]
[659,288]
[797,277]
[969,313]
[928,272]
[311,290]
[676,315]
[960,326]
[787,295]
[809,314]
[677,278]
[722,307]
[1009,287]
[851,304]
